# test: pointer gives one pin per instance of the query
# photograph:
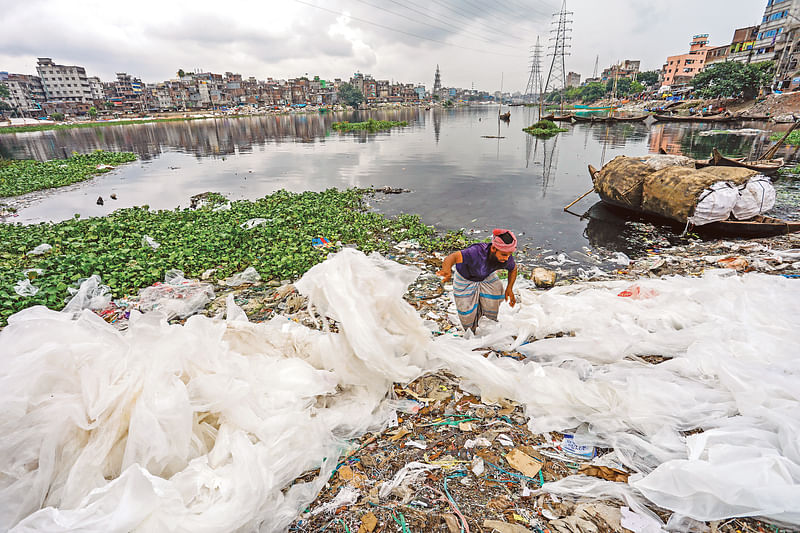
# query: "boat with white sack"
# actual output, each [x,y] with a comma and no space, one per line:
[722,200]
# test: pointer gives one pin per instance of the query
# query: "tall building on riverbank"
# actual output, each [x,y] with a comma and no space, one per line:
[437,81]
[680,69]
[778,40]
[64,83]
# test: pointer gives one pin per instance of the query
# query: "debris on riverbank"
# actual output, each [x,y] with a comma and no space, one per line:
[512,431]
[21,176]
[275,235]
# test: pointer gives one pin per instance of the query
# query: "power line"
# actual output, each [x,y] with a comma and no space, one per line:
[339,13]
[478,12]
[425,23]
[560,46]
[457,28]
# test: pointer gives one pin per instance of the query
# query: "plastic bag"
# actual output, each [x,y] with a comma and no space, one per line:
[176,297]
[24,288]
[249,275]
[715,204]
[252,223]
[90,294]
[147,240]
[757,196]
[41,249]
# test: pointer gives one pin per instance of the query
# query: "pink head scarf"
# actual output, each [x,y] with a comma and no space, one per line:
[498,243]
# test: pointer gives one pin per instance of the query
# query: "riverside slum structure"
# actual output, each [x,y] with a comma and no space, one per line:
[593,406]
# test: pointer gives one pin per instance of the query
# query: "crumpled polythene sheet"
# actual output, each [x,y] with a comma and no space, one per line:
[199,427]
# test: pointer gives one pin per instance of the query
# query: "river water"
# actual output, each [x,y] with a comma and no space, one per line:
[458,177]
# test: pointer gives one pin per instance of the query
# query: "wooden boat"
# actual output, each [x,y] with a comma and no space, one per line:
[627,119]
[579,118]
[758,226]
[590,108]
[550,117]
[676,118]
[768,166]
[505,116]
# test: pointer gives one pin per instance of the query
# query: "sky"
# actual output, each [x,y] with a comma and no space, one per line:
[480,44]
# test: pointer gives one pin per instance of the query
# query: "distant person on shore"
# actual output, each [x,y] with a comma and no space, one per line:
[477,289]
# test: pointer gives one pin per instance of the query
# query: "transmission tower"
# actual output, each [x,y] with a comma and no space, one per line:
[533,91]
[437,81]
[559,51]
[596,64]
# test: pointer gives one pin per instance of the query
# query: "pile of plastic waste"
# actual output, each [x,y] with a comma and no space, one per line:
[225,425]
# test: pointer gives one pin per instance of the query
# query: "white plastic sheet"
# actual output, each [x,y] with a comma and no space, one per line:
[715,203]
[757,196]
[199,427]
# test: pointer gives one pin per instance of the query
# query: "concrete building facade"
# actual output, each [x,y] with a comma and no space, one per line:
[680,69]
[63,83]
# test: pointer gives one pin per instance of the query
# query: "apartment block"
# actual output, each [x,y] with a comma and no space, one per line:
[64,83]
[680,69]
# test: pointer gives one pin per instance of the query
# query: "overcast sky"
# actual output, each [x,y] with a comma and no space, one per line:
[473,41]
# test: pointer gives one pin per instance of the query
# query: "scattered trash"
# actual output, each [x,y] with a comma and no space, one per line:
[41,249]
[104,167]
[252,223]
[176,297]
[24,288]
[113,196]
[320,242]
[149,241]
[635,292]
[99,200]
[569,446]
[249,275]
[736,263]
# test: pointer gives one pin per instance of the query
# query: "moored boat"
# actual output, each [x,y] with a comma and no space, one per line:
[677,118]
[765,166]
[757,226]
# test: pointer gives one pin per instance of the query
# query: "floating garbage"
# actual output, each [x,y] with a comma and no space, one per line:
[147,240]
[41,249]
[24,288]
[248,275]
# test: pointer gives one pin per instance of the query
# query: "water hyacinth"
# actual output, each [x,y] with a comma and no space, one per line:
[195,240]
[20,176]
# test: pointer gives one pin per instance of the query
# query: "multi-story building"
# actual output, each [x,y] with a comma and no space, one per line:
[27,93]
[778,40]
[779,17]
[96,89]
[717,54]
[63,83]
[742,44]
[574,79]
[627,69]
[680,69]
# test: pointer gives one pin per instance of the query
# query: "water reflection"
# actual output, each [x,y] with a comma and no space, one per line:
[203,138]
[459,178]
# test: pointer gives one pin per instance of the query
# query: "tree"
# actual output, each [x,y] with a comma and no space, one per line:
[181,73]
[593,91]
[350,95]
[58,117]
[648,78]
[623,86]
[733,79]
[636,88]
[93,112]
[4,92]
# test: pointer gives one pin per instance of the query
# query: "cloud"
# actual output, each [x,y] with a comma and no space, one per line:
[472,41]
